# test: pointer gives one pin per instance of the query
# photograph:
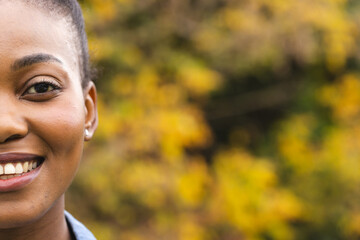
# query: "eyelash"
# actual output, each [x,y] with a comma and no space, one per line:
[49,83]
[41,96]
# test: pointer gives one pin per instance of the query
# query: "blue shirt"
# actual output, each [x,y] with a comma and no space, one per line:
[78,229]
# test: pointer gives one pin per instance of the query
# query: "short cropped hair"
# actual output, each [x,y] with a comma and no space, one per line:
[71,10]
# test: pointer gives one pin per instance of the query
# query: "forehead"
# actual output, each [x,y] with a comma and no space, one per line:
[27,30]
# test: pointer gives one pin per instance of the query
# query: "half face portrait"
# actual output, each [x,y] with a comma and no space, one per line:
[47,111]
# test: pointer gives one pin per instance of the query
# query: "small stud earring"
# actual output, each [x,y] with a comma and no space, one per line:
[87,133]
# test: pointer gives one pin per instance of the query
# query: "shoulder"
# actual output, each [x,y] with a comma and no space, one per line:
[79,230]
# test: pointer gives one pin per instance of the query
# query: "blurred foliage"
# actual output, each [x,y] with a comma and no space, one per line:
[223,119]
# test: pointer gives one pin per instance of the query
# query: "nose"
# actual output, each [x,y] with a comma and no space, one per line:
[12,124]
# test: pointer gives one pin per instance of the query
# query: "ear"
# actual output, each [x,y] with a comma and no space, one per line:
[91,115]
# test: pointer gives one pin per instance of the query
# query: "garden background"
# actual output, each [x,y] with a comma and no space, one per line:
[223,119]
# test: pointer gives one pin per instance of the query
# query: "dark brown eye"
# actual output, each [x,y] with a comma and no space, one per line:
[42,87]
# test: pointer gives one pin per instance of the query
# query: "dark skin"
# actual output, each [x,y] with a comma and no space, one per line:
[44,111]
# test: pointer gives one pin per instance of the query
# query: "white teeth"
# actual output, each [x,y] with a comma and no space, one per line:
[25,167]
[18,168]
[9,168]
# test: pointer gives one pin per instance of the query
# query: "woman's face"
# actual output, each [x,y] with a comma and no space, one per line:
[43,112]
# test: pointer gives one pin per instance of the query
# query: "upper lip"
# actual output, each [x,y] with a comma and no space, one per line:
[18,157]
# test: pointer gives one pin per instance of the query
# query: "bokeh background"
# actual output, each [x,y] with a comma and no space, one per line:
[223,119]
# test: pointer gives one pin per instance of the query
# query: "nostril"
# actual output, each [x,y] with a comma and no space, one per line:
[12,127]
[13,137]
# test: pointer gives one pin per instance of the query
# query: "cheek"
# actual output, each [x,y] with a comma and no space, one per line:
[58,129]
[59,125]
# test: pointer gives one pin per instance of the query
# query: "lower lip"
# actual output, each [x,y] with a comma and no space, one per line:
[17,183]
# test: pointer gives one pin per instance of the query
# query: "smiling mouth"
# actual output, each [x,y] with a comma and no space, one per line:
[15,165]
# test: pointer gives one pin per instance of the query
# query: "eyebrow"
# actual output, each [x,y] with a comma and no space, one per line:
[33,59]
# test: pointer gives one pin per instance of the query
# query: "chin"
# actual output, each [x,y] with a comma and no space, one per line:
[17,218]
[27,214]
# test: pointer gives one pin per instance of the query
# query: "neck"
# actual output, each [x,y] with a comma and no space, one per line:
[50,226]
